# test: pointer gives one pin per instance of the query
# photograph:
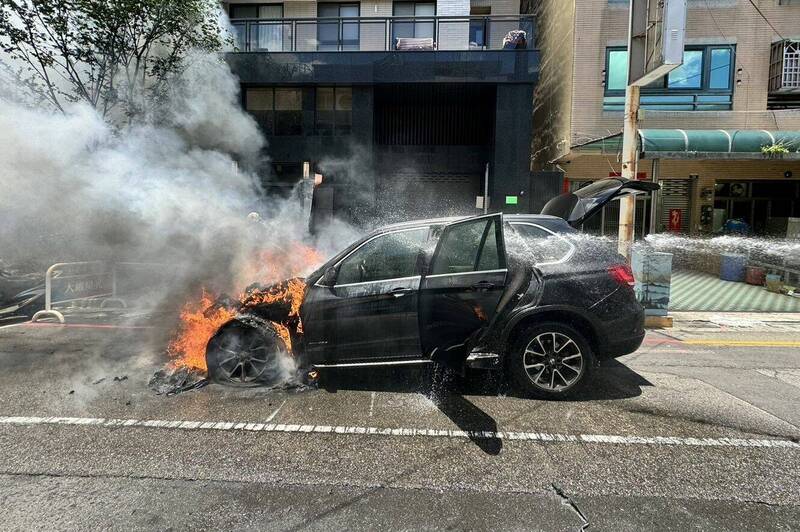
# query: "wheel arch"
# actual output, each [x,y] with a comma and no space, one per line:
[566,315]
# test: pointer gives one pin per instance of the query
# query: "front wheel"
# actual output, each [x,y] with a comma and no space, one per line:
[550,360]
[241,354]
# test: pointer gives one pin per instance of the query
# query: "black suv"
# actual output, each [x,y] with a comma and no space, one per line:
[527,294]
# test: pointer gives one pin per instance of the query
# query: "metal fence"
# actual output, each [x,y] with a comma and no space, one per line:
[344,34]
[118,284]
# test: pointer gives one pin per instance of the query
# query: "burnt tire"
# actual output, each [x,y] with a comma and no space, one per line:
[245,355]
[550,361]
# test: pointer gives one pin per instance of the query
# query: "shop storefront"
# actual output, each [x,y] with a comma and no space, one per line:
[707,177]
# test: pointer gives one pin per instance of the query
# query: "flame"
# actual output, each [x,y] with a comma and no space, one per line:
[198,325]
[200,319]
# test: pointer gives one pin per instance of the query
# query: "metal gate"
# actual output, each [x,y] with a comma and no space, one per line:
[675,194]
[430,194]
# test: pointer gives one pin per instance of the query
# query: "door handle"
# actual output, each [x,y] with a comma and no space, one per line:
[483,285]
[400,291]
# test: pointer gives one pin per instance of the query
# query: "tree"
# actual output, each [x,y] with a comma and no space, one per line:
[115,55]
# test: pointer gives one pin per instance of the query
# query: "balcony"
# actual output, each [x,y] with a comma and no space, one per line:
[382,34]
[784,67]
[784,75]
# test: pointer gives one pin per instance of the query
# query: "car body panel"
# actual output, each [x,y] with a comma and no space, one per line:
[447,316]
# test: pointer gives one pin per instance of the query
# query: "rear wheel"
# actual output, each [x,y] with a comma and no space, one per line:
[550,360]
[243,355]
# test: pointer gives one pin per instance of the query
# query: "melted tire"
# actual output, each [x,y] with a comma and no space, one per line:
[245,355]
[524,379]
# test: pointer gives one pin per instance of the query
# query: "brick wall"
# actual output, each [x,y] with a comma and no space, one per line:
[600,23]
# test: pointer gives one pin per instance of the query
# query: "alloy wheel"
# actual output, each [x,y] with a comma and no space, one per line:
[553,361]
[244,356]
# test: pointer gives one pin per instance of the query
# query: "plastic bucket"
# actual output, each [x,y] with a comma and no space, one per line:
[755,275]
[732,267]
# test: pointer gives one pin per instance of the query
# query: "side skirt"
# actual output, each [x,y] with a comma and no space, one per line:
[369,364]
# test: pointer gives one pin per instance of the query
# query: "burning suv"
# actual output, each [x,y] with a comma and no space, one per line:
[524,294]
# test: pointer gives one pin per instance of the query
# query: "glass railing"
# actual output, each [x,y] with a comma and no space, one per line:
[496,32]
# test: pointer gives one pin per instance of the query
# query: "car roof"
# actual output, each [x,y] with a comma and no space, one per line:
[450,219]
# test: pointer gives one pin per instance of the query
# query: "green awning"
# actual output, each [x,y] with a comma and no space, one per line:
[696,144]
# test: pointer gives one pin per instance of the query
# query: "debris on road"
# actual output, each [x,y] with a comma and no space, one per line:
[169,381]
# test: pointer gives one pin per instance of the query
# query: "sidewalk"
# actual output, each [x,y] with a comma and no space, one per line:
[695,291]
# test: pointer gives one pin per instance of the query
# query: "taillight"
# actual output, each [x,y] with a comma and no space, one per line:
[622,274]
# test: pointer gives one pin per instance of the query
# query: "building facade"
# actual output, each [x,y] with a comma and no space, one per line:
[739,83]
[399,105]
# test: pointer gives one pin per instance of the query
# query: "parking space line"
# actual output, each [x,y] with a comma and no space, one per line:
[544,437]
[275,413]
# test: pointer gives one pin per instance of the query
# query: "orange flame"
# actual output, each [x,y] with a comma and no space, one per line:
[199,322]
[188,347]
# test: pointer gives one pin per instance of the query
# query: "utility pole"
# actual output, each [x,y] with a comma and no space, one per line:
[656,32]
[630,163]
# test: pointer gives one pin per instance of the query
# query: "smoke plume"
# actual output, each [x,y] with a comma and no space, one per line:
[175,188]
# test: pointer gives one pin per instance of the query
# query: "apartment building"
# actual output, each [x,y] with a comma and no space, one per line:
[401,106]
[721,133]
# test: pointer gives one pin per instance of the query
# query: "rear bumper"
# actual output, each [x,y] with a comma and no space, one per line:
[622,347]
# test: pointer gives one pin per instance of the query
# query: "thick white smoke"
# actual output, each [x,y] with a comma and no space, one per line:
[168,190]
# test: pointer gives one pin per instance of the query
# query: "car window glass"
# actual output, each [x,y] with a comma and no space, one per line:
[546,246]
[490,258]
[460,245]
[388,256]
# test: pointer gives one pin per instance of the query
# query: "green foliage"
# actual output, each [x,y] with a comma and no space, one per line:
[774,149]
[116,55]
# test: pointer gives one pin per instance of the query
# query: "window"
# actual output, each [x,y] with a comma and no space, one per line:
[279,111]
[409,28]
[338,35]
[334,110]
[704,82]
[469,247]
[389,256]
[265,33]
[545,246]
[479,27]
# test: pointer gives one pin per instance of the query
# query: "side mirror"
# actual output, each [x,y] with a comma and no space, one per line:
[329,277]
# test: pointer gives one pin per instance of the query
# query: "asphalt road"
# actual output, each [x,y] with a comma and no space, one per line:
[699,429]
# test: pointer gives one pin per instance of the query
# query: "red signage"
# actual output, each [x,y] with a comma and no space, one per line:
[675,220]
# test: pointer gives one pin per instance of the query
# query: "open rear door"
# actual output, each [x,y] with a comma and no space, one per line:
[462,286]
[577,207]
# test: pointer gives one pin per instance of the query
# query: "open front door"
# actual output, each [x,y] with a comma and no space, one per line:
[463,284]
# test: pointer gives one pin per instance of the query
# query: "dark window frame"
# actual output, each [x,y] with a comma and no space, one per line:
[273,117]
[341,44]
[336,128]
[231,8]
[663,88]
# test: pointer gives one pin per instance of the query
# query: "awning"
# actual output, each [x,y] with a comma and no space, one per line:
[696,144]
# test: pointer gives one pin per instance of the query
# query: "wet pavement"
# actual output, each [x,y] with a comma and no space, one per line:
[699,429]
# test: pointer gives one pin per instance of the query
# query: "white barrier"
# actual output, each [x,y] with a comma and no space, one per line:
[67,282]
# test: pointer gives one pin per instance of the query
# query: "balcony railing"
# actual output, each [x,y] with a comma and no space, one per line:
[784,67]
[675,101]
[382,33]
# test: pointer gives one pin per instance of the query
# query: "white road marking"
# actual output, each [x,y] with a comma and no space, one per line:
[405,432]
[275,413]
[371,404]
